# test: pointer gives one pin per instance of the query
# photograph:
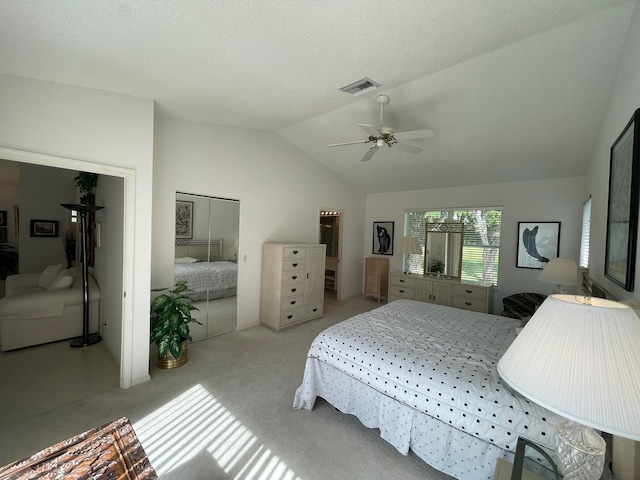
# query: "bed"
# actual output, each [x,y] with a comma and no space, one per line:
[425,375]
[200,264]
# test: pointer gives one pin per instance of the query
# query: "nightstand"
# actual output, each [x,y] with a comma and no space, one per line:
[533,462]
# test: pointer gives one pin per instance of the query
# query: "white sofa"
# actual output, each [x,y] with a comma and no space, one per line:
[46,307]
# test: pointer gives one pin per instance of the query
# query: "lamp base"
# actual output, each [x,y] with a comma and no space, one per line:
[80,341]
[580,451]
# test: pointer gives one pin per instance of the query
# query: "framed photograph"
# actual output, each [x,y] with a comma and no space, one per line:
[184,219]
[3,218]
[622,213]
[538,242]
[382,238]
[44,228]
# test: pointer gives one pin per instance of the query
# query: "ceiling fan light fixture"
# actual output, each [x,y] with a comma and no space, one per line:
[360,87]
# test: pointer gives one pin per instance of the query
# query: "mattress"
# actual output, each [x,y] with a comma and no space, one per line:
[217,279]
[426,376]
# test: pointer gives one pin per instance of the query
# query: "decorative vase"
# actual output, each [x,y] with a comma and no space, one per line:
[168,361]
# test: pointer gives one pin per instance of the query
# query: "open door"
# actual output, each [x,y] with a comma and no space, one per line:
[330,235]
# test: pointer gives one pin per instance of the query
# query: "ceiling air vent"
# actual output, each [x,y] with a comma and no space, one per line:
[361,86]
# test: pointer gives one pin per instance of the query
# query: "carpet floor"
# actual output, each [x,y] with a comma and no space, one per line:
[226,414]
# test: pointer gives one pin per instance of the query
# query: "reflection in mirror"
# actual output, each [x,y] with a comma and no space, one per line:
[206,248]
[443,256]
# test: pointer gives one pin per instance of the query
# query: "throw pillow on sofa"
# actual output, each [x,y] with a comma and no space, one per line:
[63,281]
[49,274]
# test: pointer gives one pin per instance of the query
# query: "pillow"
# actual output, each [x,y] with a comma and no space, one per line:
[61,282]
[185,260]
[49,273]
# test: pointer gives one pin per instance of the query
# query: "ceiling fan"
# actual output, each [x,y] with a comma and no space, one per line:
[385,136]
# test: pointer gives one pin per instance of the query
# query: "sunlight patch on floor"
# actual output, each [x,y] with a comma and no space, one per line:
[196,422]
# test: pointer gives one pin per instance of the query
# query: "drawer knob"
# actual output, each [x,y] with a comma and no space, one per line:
[315,309]
[293,302]
[295,252]
[294,277]
[289,317]
[400,290]
[401,281]
[468,304]
[469,291]
[295,264]
[293,290]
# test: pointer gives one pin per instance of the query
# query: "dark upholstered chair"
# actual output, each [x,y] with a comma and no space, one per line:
[521,305]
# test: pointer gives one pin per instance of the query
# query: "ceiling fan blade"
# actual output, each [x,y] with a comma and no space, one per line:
[425,133]
[405,147]
[348,143]
[369,154]
[369,129]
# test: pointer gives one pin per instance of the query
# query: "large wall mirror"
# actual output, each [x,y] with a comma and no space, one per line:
[443,242]
[206,249]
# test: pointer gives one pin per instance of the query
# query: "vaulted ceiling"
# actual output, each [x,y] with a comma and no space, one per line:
[512,89]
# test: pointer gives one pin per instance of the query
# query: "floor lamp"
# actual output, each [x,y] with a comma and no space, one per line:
[86,339]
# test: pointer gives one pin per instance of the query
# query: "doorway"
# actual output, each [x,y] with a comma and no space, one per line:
[331,236]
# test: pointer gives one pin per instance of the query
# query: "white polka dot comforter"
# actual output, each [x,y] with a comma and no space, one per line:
[426,376]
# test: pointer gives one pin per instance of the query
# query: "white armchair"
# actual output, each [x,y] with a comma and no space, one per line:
[45,307]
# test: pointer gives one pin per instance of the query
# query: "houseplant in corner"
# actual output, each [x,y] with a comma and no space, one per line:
[170,319]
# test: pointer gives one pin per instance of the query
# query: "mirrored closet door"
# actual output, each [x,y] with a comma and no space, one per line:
[206,249]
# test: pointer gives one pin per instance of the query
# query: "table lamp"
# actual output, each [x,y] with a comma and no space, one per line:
[560,271]
[579,357]
[408,246]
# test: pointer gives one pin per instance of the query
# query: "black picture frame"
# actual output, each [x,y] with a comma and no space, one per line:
[184,219]
[3,218]
[622,208]
[538,242]
[43,228]
[382,238]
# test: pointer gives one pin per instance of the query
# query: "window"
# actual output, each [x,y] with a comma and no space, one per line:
[481,249]
[586,233]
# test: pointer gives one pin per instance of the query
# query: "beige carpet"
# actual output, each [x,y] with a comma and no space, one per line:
[226,414]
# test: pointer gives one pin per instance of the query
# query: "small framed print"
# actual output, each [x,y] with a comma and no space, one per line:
[184,219]
[382,238]
[538,242]
[44,228]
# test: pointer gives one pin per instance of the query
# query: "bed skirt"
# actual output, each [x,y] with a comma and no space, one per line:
[443,447]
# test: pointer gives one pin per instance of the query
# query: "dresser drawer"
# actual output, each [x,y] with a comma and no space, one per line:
[293,277]
[469,303]
[402,292]
[406,282]
[292,302]
[292,289]
[294,252]
[294,265]
[300,314]
[469,291]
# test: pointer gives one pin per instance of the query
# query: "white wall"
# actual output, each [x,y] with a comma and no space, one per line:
[42,190]
[85,129]
[623,101]
[557,200]
[280,191]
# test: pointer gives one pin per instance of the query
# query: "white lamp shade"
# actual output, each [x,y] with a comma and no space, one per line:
[560,271]
[581,361]
[409,246]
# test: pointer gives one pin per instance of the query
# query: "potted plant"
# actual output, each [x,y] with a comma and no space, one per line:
[86,182]
[170,319]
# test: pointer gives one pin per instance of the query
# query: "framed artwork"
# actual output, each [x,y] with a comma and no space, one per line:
[3,218]
[538,242]
[3,235]
[622,211]
[382,238]
[184,219]
[44,228]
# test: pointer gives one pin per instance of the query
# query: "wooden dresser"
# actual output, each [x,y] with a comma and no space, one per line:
[452,293]
[292,284]
[376,277]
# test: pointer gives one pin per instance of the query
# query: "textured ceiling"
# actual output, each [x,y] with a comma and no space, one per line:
[513,89]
